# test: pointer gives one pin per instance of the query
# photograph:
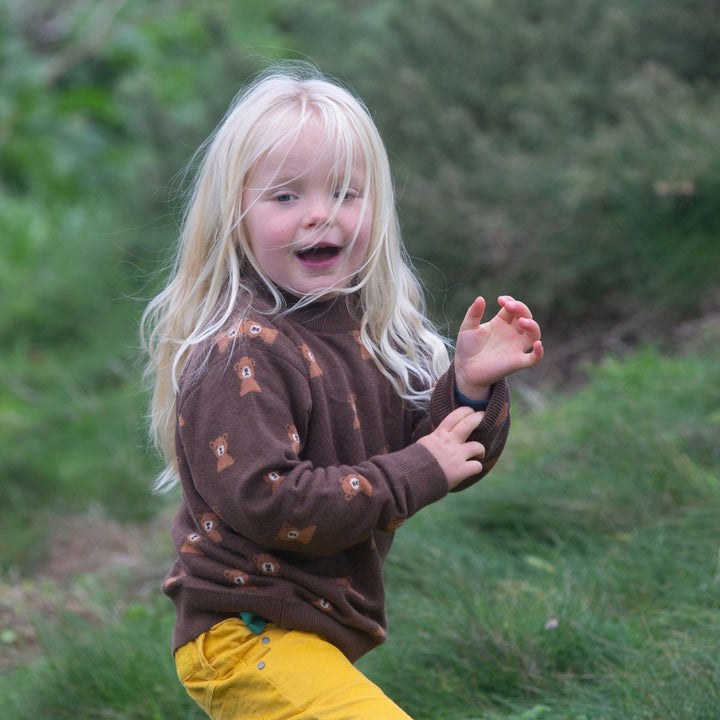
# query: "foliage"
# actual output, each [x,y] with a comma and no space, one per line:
[554,150]
[101,103]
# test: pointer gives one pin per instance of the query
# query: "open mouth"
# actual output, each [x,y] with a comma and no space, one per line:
[319,254]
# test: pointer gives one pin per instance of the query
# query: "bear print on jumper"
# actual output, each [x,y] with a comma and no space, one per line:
[190,545]
[245,328]
[352,401]
[267,564]
[245,369]
[219,447]
[274,479]
[294,438]
[210,524]
[364,352]
[354,484]
[294,534]
[314,369]
[238,577]
[323,604]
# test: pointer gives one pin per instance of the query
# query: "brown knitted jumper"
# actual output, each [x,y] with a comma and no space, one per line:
[298,463]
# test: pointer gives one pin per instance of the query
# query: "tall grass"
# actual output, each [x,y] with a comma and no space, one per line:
[583,576]
[579,580]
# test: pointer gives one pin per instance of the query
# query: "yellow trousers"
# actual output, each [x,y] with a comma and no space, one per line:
[233,673]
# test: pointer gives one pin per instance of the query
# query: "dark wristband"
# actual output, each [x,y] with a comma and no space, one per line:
[474,404]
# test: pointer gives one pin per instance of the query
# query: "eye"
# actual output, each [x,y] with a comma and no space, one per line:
[350,194]
[284,197]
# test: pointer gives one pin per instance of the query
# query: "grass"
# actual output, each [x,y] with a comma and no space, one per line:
[580,581]
[119,668]
[583,577]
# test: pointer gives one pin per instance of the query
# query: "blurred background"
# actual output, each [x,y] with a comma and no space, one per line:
[566,152]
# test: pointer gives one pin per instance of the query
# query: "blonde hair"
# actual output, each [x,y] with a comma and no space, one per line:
[214,259]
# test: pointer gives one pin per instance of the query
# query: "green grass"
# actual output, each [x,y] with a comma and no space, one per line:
[117,668]
[579,581]
[583,577]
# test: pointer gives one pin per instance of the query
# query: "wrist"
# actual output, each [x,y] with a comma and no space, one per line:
[476,403]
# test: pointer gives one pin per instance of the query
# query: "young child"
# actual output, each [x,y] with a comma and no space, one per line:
[305,404]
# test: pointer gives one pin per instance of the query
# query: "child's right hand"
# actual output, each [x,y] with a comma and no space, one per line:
[449,444]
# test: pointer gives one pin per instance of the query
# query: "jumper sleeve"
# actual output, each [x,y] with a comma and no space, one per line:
[243,432]
[493,430]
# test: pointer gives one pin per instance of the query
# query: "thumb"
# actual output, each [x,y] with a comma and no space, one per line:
[474,315]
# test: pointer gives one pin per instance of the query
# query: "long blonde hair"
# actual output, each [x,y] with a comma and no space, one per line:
[214,257]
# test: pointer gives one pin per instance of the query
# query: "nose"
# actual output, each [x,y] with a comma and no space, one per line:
[317,213]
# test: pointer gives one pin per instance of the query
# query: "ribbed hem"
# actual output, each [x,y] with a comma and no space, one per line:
[290,615]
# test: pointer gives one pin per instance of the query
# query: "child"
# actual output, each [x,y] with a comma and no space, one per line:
[305,404]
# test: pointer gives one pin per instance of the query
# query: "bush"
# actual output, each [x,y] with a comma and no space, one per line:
[556,151]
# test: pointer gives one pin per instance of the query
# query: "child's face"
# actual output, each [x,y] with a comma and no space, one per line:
[300,235]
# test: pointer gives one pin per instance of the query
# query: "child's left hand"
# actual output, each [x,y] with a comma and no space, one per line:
[488,352]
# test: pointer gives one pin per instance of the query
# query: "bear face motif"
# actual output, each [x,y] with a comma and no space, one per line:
[323,604]
[210,525]
[219,447]
[238,577]
[253,329]
[274,479]
[293,534]
[267,564]
[352,485]
[223,340]
[313,368]
[246,328]
[294,438]
[245,370]
[190,545]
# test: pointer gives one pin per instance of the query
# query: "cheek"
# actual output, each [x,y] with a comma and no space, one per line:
[266,233]
[364,234]
[361,223]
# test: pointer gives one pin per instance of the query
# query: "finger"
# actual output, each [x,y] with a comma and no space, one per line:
[511,309]
[475,450]
[452,419]
[534,355]
[473,317]
[466,424]
[474,467]
[537,352]
[530,328]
